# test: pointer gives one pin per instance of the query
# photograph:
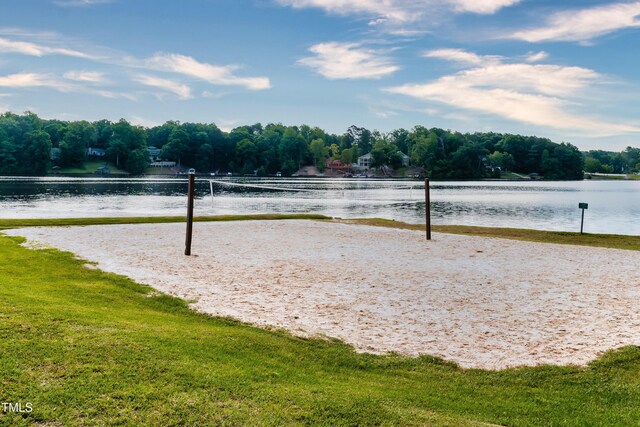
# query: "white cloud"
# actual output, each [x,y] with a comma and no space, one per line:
[584,24]
[40,80]
[28,80]
[226,125]
[537,56]
[481,6]
[390,14]
[461,56]
[214,74]
[86,76]
[394,10]
[181,90]
[536,94]
[108,93]
[336,60]
[141,121]
[33,49]
[41,44]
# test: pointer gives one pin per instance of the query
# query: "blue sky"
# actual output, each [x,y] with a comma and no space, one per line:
[565,70]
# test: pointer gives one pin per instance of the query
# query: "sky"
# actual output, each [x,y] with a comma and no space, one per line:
[565,70]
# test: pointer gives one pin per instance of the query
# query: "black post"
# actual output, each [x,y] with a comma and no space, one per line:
[427,200]
[191,192]
[582,221]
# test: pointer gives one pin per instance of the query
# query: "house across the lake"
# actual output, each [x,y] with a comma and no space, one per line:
[160,164]
[95,152]
[364,162]
[154,153]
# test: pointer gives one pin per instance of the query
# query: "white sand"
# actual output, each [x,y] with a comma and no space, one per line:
[481,302]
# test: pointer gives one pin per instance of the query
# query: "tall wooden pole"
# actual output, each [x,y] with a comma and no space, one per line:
[427,200]
[191,192]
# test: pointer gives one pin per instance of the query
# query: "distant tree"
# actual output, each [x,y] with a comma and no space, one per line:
[504,161]
[424,151]
[466,162]
[205,158]
[117,151]
[592,165]
[319,153]
[79,136]
[334,151]
[56,130]
[177,148]
[396,160]
[39,151]
[293,149]
[8,161]
[382,152]
[361,137]
[104,133]
[400,137]
[246,156]
[126,139]
[349,155]
[137,161]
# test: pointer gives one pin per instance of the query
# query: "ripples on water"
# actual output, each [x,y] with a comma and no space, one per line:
[614,206]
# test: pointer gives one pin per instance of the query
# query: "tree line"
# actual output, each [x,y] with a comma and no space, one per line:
[30,145]
[599,161]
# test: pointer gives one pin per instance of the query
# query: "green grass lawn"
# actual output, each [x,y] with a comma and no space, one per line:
[614,241]
[86,347]
[632,177]
[90,168]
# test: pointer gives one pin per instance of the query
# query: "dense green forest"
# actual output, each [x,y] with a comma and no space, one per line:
[30,145]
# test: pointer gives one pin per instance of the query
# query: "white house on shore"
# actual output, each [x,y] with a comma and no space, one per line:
[364,162]
[405,159]
[96,152]
[154,153]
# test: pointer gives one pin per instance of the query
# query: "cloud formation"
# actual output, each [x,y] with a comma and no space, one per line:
[181,90]
[535,94]
[30,80]
[398,16]
[537,56]
[584,24]
[86,76]
[335,60]
[47,80]
[52,44]
[461,56]
[214,74]
[484,7]
[34,49]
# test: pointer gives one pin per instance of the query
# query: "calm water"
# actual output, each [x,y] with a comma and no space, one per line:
[614,206]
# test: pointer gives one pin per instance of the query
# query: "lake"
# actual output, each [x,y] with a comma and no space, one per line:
[614,206]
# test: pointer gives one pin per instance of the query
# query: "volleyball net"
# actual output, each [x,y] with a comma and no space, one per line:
[393,200]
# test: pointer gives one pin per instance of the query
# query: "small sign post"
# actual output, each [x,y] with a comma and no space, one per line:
[582,206]
[191,192]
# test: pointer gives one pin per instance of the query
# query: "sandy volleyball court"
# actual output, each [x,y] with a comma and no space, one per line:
[481,302]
